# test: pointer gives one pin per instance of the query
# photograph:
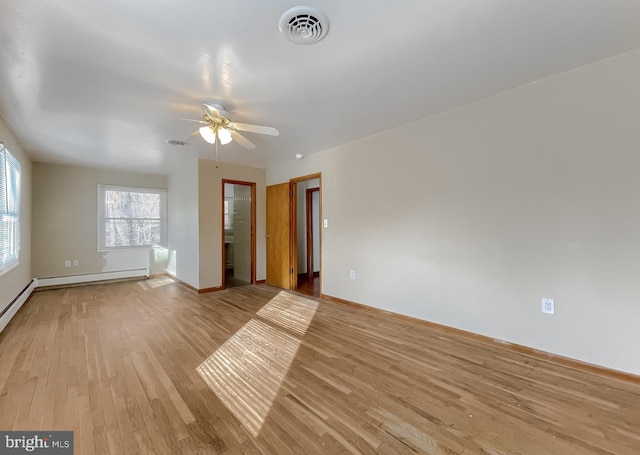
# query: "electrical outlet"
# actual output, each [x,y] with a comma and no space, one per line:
[67,263]
[352,274]
[548,306]
[76,263]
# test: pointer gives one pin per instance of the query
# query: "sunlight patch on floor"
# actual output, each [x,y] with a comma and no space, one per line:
[290,311]
[156,282]
[247,371]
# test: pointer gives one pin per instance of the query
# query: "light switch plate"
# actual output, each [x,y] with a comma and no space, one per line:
[548,306]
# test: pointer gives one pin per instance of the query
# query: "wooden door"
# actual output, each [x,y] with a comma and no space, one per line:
[278,241]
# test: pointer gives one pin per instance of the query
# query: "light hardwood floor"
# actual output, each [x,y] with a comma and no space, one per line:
[152,367]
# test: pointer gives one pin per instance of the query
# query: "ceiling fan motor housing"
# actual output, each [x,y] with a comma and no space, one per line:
[217,106]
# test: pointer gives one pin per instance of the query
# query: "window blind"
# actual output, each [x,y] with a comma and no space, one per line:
[9,210]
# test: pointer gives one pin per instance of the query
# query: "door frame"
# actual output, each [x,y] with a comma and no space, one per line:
[253,228]
[293,226]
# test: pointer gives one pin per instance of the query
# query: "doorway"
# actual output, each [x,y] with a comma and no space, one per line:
[313,231]
[307,238]
[306,235]
[290,264]
[239,246]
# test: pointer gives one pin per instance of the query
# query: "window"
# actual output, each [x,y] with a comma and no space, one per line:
[9,210]
[131,217]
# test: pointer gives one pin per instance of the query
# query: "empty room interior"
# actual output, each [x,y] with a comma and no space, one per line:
[334,227]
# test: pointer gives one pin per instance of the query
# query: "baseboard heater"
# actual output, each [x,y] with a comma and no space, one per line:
[91,277]
[16,304]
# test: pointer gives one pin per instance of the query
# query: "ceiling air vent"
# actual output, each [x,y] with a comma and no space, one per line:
[304,25]
[176,142]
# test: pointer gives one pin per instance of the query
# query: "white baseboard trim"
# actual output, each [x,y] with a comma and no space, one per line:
[16,304]
[90,277]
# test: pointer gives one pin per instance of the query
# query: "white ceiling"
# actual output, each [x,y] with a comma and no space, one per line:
[98,82]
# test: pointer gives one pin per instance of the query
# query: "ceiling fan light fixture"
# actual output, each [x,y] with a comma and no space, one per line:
[224,135]
[208,134]
[218,128]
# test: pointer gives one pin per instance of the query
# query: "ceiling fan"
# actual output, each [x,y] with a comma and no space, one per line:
[218,128]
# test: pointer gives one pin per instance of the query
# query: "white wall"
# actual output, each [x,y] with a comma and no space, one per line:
[183,224]
[476,214]
[13,281]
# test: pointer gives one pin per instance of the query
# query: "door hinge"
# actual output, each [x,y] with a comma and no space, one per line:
[291,270]
[291,193]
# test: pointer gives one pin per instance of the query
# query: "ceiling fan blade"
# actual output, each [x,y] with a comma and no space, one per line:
[255,128]
[190,120]
[243,141]
[192,134]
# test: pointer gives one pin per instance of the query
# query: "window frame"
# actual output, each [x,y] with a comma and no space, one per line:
[10,165]
[101,240]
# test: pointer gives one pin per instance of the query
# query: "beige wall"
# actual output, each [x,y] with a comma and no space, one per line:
[13,281]
[470,217]
[65,221]
[210,218]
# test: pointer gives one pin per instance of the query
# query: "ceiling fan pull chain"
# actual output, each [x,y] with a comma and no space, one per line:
[217,150]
